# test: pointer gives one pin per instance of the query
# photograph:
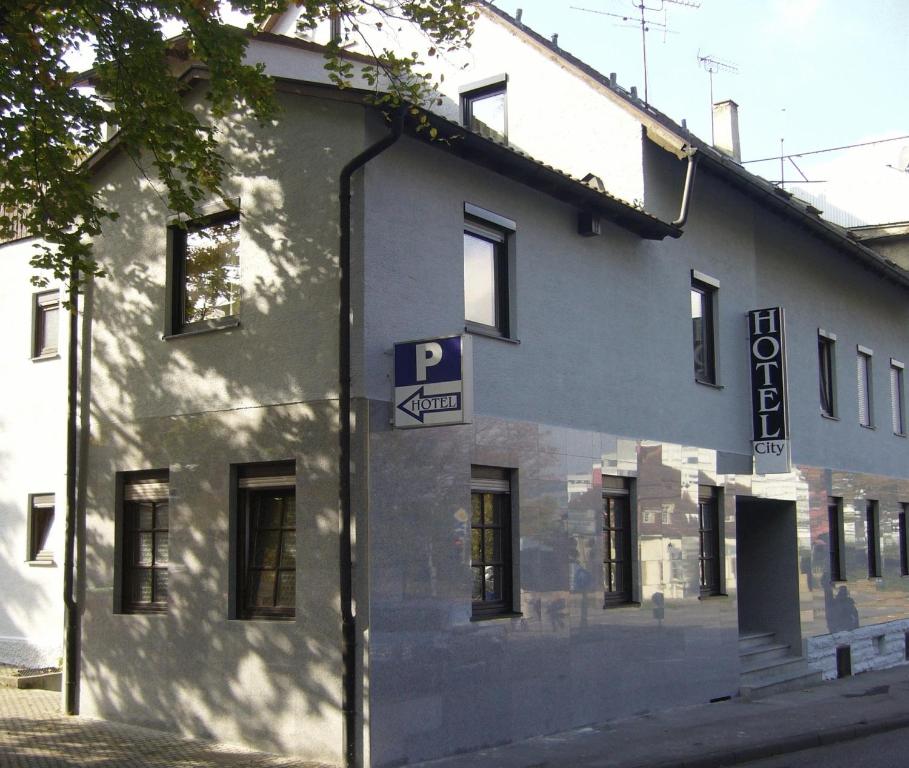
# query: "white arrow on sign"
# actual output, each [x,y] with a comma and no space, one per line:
[419,404]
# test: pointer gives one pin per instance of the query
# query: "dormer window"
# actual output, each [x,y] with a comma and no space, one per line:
[484,108]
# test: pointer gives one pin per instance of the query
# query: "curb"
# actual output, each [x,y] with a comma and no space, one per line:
[783,746]
[46,681]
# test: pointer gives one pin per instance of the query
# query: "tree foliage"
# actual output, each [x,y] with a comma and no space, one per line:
[50,127]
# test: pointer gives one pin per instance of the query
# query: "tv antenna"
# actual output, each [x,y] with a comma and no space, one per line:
[645,22]
[712,65]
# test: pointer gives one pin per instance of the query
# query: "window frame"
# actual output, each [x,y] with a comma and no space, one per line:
[826,350]
[709,503]
[150,487]
[897,398]
[873,537]
[708,289]
[176,324]
[248,482]
[499,231]
[41,512]
[498,483]
[864,357]
[479,91]
[43,303]
[836,539]
[618,571]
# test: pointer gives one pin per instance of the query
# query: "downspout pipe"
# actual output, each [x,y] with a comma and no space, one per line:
[70,605]
[348,618]
[689,185]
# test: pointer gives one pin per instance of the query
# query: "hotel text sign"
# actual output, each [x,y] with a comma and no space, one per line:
[433,382]
[769,412]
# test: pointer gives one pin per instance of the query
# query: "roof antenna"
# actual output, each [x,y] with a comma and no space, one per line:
[712,64]
[645,23]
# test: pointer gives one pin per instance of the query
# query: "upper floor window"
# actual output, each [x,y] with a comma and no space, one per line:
[897,416]
[205,272]
[486,271]
[703,326]
[484,108]
[490,541]
[145,542]
[863,370]
[826,363]
[617,541]
[45,325]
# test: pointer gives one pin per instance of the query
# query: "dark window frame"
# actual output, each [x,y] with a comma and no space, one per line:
[705,355]
[711,557]
[486,89]
[496,486]
[135,489]
[903,540]
[618,541]
[43,304]
[836,539]
[176,323]
[897,398]
[826,352]
[873,537]
[498,231]
[864,362]
[251,483]
[41,509]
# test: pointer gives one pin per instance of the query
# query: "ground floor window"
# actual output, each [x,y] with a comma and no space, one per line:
[145,542]
[490,541]
[873,535]
[709,556]
[41,520]
[617,541]
[266,541]
[835,534]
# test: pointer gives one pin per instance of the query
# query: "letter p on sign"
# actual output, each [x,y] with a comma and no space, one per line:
[428,355]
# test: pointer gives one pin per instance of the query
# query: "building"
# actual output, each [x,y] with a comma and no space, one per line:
[594,540]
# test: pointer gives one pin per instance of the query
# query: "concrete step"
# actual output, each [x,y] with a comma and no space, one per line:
[758,656]
[780,685]
[792,666]
[46,681]
[753,639]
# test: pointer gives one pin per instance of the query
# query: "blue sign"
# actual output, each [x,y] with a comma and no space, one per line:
[433,382]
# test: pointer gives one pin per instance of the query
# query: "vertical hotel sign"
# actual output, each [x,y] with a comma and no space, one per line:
[769,410]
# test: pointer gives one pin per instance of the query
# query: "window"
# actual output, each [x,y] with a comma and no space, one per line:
[835,535]
[205,273]
[709,557]
[896,397]
[145,545]
[904,543]
[486,271]
[826,363]
[490,541]
[45,325]
[872,534]
[617,537]
[41,520]
[484,108]
[266,541]
[703,326]
[863,368]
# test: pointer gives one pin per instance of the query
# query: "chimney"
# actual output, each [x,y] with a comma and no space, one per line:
[726,129]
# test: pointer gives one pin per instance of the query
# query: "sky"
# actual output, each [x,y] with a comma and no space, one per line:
[815,73]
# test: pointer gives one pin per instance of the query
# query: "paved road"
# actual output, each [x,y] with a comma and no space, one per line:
[33,734]
[885,750]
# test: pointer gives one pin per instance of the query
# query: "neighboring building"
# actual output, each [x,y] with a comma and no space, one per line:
[594,541]
[32,464]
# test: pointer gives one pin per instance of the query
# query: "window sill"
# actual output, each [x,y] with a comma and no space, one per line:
[718,596]
[829,416]
[620,606]
[489,332]
[868,426]
[42,563]
[48,356]
[899,434]
[492,616]
[215,325]
[710,384]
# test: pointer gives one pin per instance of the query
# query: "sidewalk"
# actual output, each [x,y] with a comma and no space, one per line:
[33,734]
[712,735]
